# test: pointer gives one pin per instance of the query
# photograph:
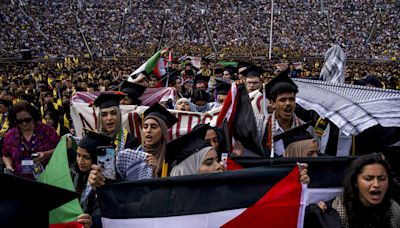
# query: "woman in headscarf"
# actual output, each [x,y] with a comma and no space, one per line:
[302,148]
[157,121]
[191,154]
[109,121]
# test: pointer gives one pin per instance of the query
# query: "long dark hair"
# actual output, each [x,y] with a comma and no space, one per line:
[354,209]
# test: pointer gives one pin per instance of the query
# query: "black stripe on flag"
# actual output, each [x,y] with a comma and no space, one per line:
[173,196]
[319,168]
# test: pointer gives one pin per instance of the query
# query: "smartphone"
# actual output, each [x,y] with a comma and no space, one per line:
[106,159]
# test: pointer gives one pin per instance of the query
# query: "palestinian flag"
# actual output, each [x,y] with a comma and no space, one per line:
[261,197]
[238,114]
[155,64]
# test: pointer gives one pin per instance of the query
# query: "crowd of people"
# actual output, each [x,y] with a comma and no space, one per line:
[35,112]
[36,96]
[119,28]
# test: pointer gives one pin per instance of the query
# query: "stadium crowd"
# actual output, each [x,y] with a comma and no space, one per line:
[118,28]
[37,95]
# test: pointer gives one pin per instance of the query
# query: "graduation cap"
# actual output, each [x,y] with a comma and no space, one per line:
[91,140]
[218,71]
[295,134]
[280,79]
[199,79]
[204,59]
[6,103]
[253,71]
[26,203]
[105,100]
[133,90]
[158,111]
[222,87]
[173,76]
[186,145]
[231,69]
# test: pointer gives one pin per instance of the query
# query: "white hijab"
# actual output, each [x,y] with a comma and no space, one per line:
[191,164]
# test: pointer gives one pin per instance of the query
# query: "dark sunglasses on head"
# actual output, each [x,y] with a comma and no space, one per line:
[24,120]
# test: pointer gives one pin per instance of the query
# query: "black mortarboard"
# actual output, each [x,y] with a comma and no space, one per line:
[253,71]
[173,76]
[222,87]
[158,111]
[295,134]
[199,78]
[6,103]
[105,100]
[189,72]
[280,78]
[26,203]
[218,71]
[231,69]
[133,90]
[91,140]
[204,59]
[186,145]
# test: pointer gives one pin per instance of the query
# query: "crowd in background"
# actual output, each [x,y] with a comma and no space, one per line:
[365,29]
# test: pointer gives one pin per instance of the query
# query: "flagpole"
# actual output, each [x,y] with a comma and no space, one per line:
[270,30]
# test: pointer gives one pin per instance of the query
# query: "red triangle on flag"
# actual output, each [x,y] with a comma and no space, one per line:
[279,207]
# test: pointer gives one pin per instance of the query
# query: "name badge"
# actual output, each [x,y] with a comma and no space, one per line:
[27,166]
[27,162]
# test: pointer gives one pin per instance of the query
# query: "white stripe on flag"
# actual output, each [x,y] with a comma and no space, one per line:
[234,92]
[138,70]
[209,220]
[321,194]
[303,205]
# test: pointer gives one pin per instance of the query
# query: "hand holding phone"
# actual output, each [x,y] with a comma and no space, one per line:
[106,159]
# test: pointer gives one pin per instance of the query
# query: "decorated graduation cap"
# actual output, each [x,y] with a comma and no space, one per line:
[158,111]
[26,203]
[186,145]
[105,100]
[253,71]
[222,87]
[91,140]
[132,90]
[299,133]
[5,102]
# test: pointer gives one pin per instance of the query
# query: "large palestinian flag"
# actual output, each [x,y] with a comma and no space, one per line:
[257,197]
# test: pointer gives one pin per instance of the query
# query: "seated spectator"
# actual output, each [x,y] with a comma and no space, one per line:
[29,142]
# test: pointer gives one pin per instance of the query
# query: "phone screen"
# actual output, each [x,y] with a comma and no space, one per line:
[107,161]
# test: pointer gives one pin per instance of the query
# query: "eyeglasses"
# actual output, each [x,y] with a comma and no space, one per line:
[24,120]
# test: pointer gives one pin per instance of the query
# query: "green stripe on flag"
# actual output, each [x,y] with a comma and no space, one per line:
[225,64]
[152,62]
[57,173]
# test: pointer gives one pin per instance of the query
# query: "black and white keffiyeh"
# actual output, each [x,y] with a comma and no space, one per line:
[132,165]
[351,108]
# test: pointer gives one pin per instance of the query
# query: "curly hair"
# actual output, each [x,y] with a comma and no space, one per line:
[354,208]
[23,106]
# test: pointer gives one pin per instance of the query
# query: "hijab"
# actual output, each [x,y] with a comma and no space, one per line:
[158,149]
[191,165]
[303,148]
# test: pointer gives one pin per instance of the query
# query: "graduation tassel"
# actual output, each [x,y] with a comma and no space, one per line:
[353,145]
[164,170]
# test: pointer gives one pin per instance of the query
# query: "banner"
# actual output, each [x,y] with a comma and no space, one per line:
[84,116]
[263,197]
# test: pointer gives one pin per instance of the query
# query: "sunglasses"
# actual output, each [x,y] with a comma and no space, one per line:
[24,120]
